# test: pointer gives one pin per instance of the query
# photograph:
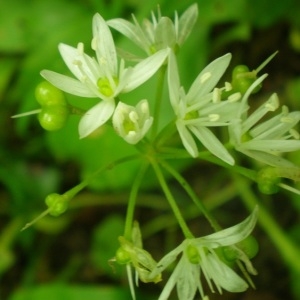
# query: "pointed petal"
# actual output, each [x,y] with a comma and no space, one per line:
[173,80]
[79,63]
[95,117]
[231,235]
[68,84]
[167,260]
[209,77]
[224,276]
[187,139]
[165,34]
[267,158]
[131,31]
[145,69]
[104,45]
[272,145]
[187,22]
[208,139]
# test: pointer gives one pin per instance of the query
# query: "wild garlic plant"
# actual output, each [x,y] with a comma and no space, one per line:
[211,120]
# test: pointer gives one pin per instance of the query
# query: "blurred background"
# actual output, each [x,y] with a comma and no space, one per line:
[67,257]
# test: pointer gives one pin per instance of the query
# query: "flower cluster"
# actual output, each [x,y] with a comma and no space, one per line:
[199,114]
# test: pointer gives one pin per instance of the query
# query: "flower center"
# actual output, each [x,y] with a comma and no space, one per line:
[191,115]
[106,86]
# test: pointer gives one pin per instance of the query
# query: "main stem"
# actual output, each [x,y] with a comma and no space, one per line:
[187,233]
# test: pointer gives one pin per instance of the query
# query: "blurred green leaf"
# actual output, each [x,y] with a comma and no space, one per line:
[105,242]
[71,292]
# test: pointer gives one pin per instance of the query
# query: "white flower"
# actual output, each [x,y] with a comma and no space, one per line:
[201,108]
[265,141]
[159,34]
[198,257]
[101,77]
[132,123]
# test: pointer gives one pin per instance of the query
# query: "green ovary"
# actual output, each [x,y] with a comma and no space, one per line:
[191,115]
[105,87]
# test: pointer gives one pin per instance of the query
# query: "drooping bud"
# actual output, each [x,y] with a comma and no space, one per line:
[132,123]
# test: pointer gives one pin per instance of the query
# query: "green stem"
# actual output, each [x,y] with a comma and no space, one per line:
[73,191]
[158,99]
[288,250]
[187,233]
[186,186]
[132,200]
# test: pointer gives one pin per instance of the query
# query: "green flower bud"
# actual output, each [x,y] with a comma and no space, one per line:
[57,204]
[249,246]
[268,180]
[53,117]
[122,256]
[242,79]
[47,94]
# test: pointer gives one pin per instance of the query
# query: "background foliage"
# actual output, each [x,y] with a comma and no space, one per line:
[66,257]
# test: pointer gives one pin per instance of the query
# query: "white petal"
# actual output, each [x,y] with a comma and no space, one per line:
[173,80]
[231,235]
[95,117]
[68,84]
[267,158]
[131,31]
[105,46]
[224,276]
[208,139]
[186,23]
[145,69]
[80,64]
[165,34]
[272,145]
[209,77]
[187,139]
[167,260]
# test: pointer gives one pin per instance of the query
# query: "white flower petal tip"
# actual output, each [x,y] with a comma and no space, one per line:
[160,32]
[132,123]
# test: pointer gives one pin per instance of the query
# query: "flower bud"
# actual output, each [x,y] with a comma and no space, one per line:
[57,204]
[132,123]
[47,94]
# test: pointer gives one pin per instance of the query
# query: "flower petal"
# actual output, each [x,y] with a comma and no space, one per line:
[79,63]
[224,276]
[67,84]
[95,117]
[208,139]
[186,23]
[165,35]
[231,235]
[187,139]
[209,77]
[104,45]
[272,145]
[173,80]
[145,69]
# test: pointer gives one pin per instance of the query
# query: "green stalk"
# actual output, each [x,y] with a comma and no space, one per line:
[186,186]
[187,233]
[132,200]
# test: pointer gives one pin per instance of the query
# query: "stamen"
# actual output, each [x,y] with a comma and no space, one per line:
[80,48]
[214,117]
[294,133]
[273,103]
[235,97]
[216,97]
[228,86]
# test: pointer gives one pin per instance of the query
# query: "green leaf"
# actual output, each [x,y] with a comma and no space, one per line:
[71,292]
